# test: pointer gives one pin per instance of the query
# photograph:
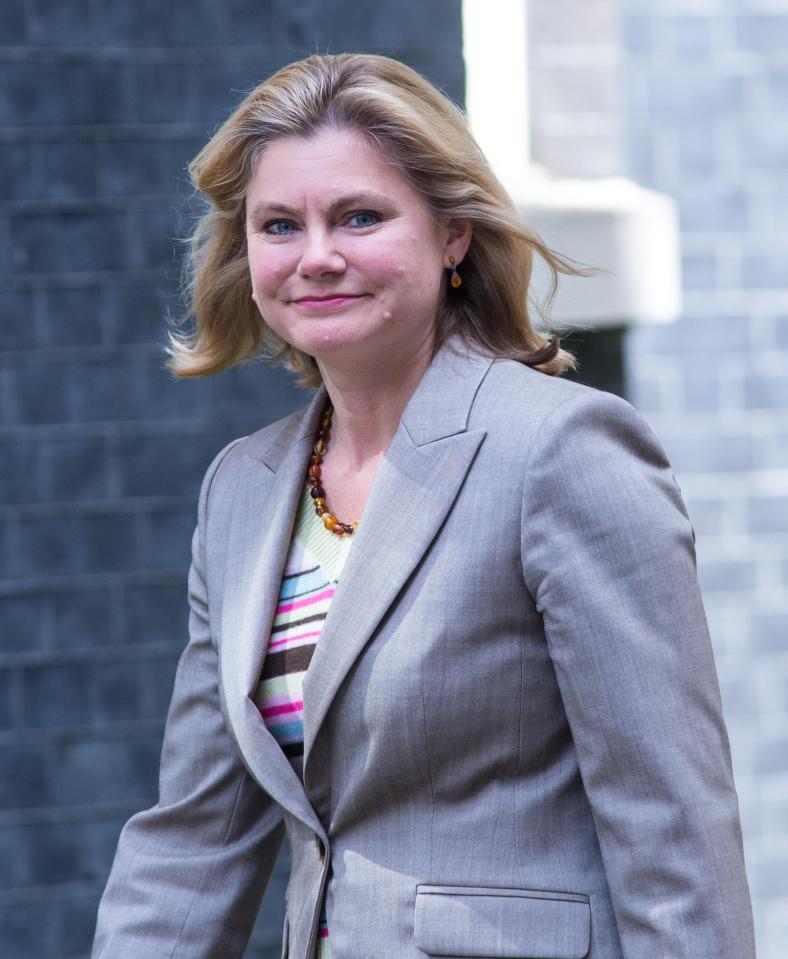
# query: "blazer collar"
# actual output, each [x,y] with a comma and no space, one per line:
[441,404]
[297,428]
[422,471]
[439,407]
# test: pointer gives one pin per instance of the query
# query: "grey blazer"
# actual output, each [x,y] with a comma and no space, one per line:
[513,738]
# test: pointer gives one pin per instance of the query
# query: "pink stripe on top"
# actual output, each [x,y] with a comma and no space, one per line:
[293,639]
[300,603]
[267,711]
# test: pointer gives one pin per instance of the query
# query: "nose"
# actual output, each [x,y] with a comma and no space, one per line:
[320,255]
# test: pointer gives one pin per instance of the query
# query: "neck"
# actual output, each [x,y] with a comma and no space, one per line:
[369,399]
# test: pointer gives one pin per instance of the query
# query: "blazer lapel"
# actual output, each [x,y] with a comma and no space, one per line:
[414,488]
[269,485]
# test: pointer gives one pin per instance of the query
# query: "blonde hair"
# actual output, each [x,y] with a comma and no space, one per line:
[425,135]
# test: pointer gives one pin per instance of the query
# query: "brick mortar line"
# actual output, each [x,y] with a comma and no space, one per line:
[763,482]
[59,55]
[111,506]
[764,302]
[58,815]
[179,54]
[721,424]
[97,352]
[756,597]
[776,792]
[78,582]
[677,10]
[778,608]
[51,893]
[749,539]
[769,849]
[126,652]
[110,131]
[77,279]
[121,730]
[118,429]
[96,204]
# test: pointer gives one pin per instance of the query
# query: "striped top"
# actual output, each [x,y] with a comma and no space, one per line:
[314,562]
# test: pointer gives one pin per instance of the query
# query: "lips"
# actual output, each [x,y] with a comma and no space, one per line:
[328,297]
[327,301]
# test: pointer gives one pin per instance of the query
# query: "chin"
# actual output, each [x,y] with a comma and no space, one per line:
[334,341]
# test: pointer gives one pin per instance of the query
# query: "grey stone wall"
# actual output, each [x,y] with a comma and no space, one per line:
[697,110]
[574,60]
[101,107]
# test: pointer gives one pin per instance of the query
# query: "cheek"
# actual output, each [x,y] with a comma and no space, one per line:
[266,274]
[418,262]
[403,278]
[387,260]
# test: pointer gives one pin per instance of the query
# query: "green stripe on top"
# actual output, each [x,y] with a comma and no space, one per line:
[328,549]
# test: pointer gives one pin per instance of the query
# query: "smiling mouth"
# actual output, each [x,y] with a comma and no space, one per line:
[331,299]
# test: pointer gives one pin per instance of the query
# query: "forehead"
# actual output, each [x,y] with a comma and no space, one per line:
[331,161]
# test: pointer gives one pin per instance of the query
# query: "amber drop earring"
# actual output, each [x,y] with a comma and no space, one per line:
[455,279]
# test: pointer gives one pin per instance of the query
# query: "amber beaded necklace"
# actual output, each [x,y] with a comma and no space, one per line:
[318,494]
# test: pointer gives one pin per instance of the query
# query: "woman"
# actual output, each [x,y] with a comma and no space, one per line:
[505,738]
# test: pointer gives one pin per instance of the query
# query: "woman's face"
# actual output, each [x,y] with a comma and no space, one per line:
[345,257]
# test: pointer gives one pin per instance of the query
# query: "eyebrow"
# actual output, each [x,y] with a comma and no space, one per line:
[264,208]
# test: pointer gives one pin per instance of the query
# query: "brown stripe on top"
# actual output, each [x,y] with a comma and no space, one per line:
[306,592]
[291,624]
[293,749]
[300,572]
[287,661]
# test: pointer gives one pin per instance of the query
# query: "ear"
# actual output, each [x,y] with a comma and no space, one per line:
[458,238]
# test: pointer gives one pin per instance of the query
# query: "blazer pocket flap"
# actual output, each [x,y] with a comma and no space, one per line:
[485,921]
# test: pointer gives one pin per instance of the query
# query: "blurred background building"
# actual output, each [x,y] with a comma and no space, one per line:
[102,103]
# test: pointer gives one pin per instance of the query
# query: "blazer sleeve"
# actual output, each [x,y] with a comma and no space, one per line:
[608,555]
[189,874]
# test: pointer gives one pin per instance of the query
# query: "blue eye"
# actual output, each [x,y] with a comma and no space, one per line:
[363,218]
[279,227]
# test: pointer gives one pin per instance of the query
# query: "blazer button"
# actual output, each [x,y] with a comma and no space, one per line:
[321,849]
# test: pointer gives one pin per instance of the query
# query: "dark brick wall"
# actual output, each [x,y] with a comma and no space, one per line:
[102,104]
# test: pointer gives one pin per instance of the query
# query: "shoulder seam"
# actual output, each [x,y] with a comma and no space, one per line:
[575,398]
